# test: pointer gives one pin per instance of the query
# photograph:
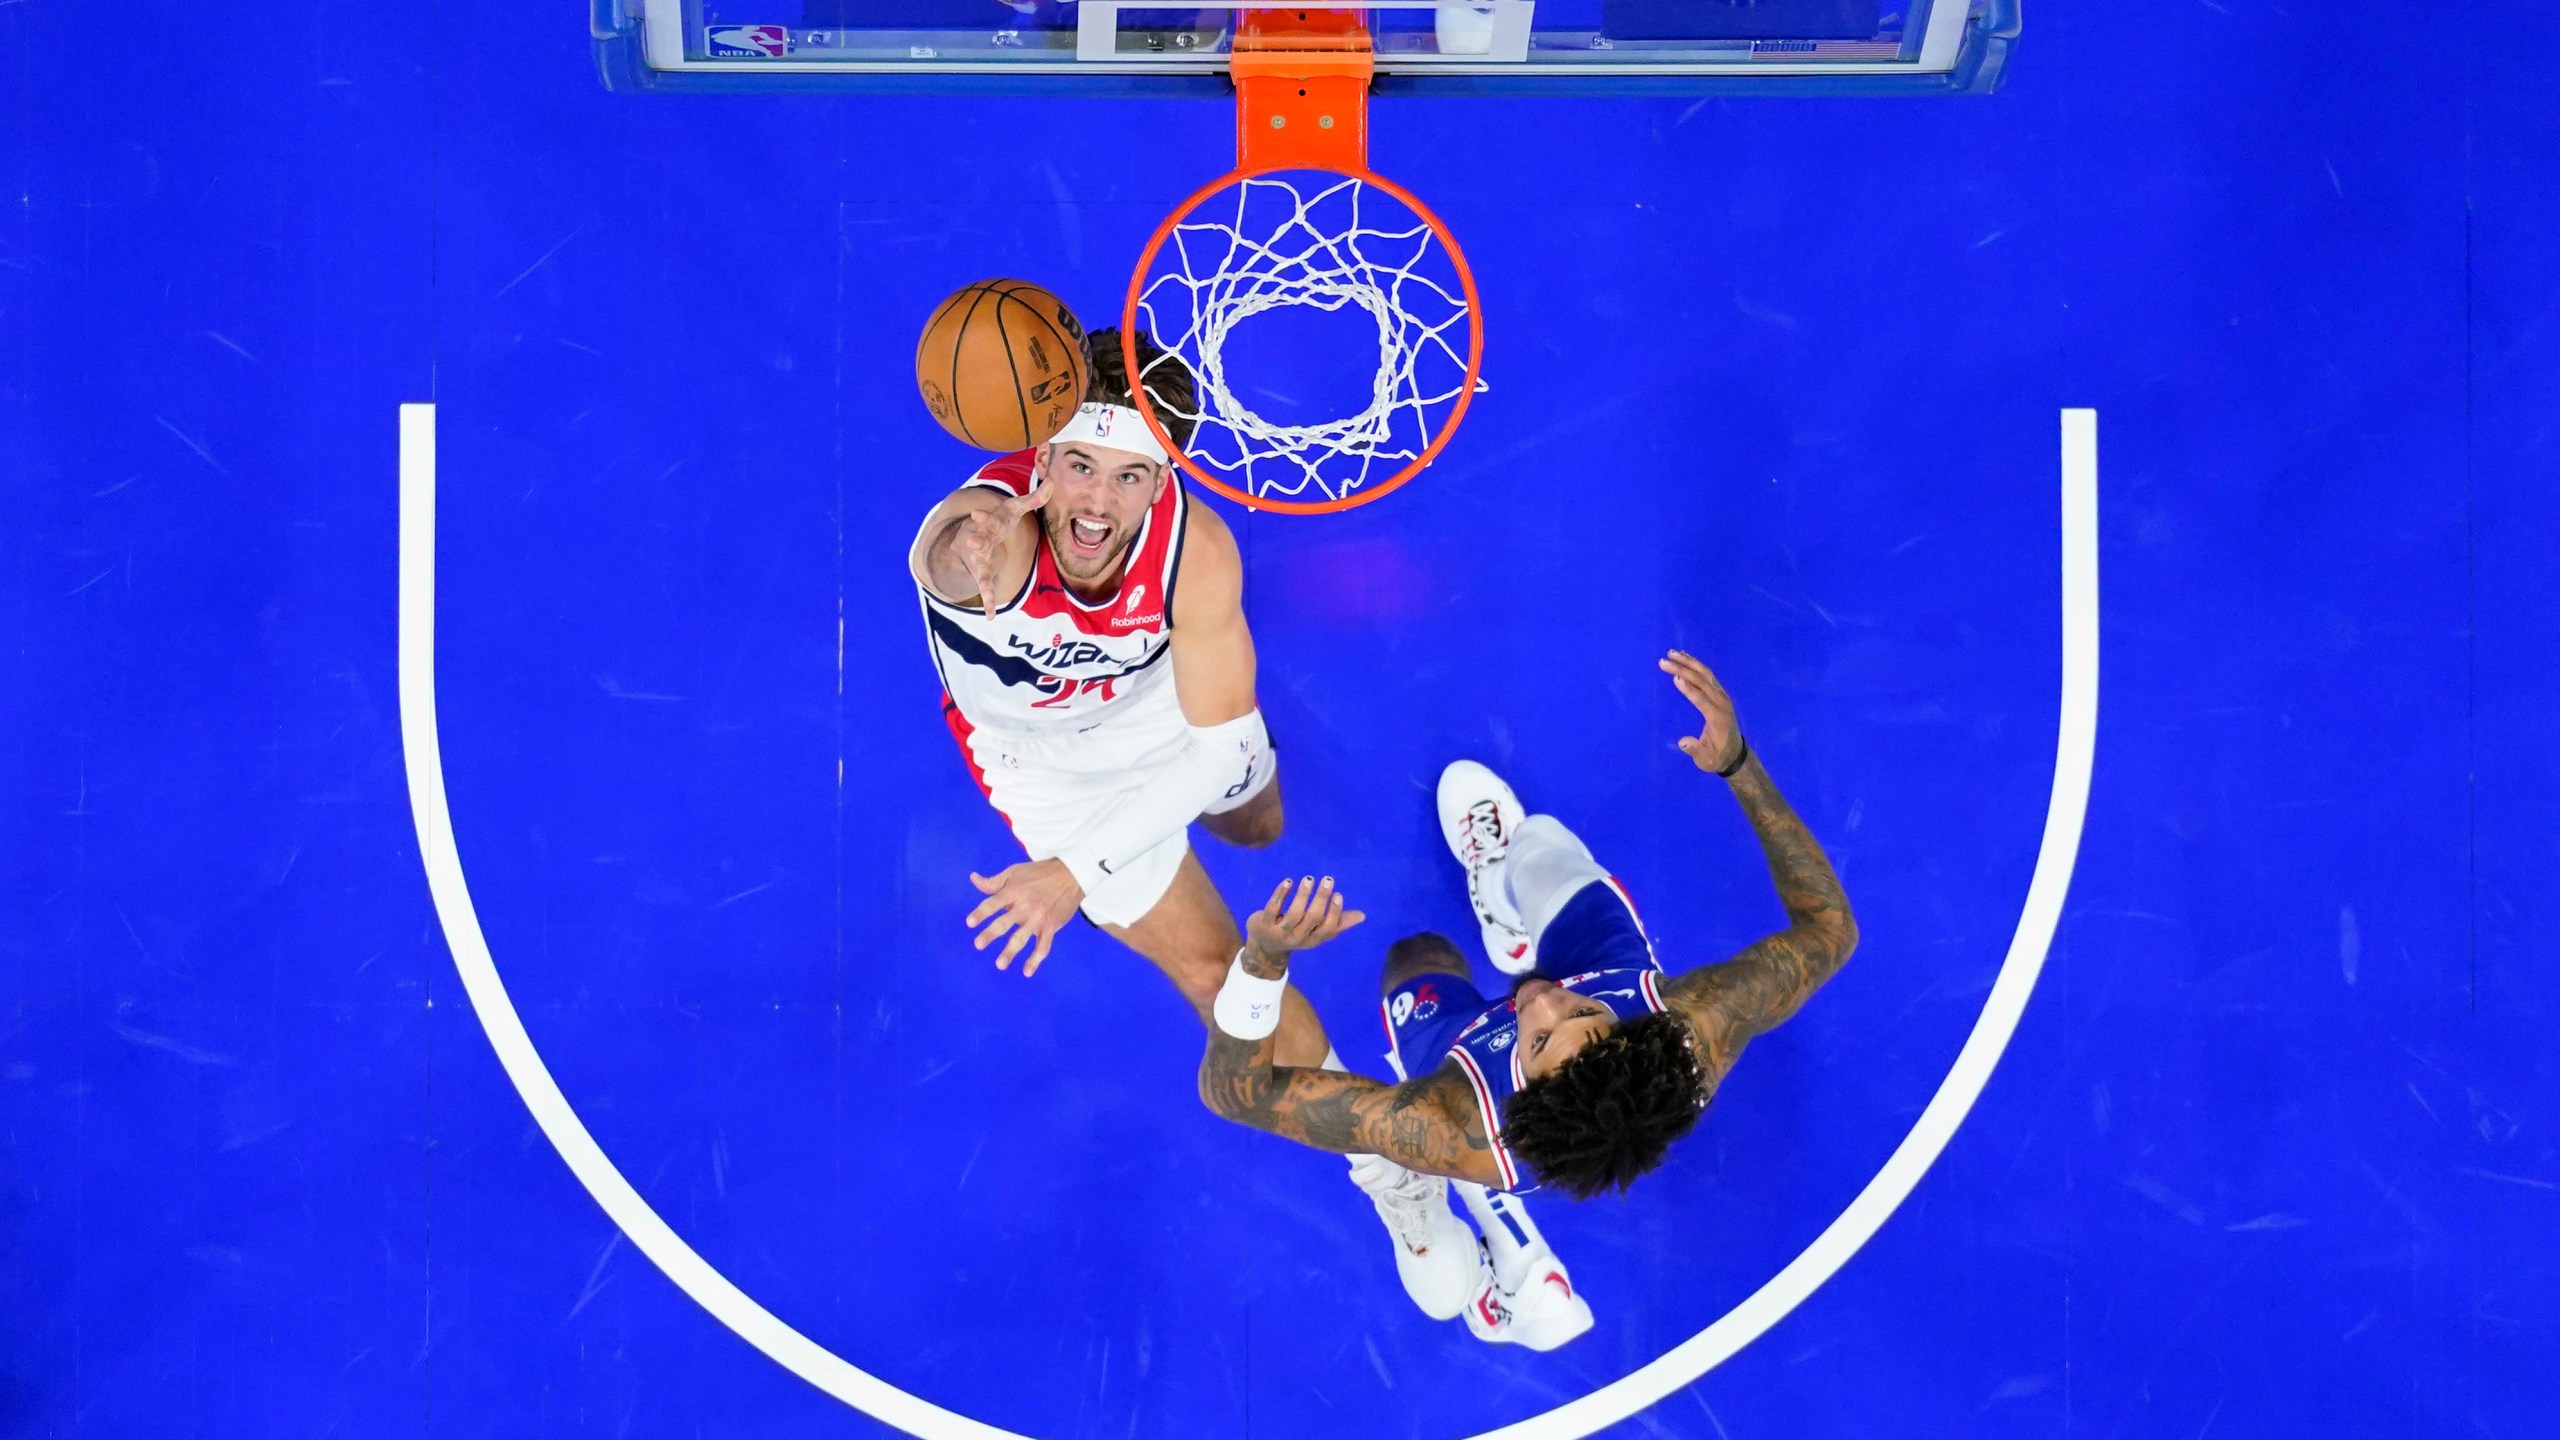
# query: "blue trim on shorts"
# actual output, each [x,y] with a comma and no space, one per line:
[1596,930]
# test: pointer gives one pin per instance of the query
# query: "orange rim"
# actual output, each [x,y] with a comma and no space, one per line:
[1366,493]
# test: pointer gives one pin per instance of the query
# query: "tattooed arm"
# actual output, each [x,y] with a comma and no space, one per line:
[1728,1004]
[1429,1124]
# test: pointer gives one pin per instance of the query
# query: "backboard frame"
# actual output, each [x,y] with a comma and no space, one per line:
[1964,51]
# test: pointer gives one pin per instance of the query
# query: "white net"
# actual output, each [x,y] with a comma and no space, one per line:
[1332,243]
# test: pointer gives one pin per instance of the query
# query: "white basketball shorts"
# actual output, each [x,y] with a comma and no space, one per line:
[1053,789]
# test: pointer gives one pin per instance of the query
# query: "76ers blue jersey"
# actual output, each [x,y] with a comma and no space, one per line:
[1488,1048]
[1594,946]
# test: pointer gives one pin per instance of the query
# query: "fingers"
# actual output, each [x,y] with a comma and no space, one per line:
[1696,684]
[1686,669]
[1028,501]
[1296,915]
[1682,661]
[1039,953]
[984,573]
[1013,947]
[990,935]
[981,544]
[1337,919]
[1306,912]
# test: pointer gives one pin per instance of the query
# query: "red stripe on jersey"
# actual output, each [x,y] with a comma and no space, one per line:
[1395,1052]
[1638,916]
[1012,473]
[960,728]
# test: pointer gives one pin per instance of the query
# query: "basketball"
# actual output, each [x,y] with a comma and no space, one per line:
[1002,364]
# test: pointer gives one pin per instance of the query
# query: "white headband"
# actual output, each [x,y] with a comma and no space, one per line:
[1114,427]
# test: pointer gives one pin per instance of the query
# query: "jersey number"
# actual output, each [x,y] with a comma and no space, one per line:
[1068,690]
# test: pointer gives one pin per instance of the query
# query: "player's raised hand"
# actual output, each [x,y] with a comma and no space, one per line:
[1717,746]
[983,534]
[1300,921]
[1033,901]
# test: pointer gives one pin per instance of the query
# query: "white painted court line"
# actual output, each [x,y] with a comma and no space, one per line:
[2074,755]
[727,1303]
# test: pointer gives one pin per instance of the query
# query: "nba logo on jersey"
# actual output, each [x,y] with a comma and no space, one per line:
[748,42]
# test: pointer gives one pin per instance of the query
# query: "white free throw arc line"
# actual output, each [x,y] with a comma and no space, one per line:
[666,1249]
[2073,757]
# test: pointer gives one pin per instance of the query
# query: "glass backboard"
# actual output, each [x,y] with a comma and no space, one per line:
[1579,46]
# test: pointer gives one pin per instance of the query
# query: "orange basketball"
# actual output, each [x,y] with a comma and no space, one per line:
[1002,364]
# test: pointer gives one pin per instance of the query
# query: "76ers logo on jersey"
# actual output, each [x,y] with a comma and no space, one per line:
[1419,1003]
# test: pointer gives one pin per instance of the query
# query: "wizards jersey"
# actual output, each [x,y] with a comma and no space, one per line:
[1050,660]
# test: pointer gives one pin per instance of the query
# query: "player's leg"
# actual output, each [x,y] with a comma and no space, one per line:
[1255,823]
[1249,814]
[1579,916]
[1478,816]
[1425,998]
[1525,1297]
[1191,936]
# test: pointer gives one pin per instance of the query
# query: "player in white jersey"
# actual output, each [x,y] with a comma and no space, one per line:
[1584,1077]
[1088,623]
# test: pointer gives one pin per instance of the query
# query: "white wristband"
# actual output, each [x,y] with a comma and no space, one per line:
[1248,1006]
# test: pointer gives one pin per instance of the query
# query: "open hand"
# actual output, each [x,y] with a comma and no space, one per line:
[1302,921]
[1034,900]
[1718,743]
[978,546]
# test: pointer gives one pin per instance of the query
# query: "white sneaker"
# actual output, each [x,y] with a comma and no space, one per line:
[1541,1315]
[1477,815]
[1438,1256]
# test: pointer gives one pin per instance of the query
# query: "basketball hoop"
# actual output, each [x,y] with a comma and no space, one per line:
[1302,222]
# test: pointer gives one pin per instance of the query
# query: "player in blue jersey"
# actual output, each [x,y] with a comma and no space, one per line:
[1583,1077]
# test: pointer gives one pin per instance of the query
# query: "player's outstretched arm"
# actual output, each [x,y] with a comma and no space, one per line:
[1727,1004]
[1427,1124]
[975,548]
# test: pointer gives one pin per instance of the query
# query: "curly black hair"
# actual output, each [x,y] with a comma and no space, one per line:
[1170,383]
[1608,1115]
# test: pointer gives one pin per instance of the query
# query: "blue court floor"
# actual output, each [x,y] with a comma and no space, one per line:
[2275,1150]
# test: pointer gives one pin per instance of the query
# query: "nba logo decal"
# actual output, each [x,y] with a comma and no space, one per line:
[748,42]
